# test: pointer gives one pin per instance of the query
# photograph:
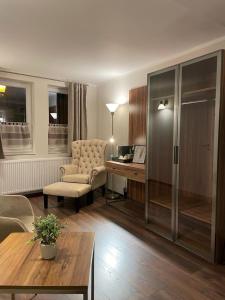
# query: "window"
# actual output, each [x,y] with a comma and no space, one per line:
[15,113]
[58,120]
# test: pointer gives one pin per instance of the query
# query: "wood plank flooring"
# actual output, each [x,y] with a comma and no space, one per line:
[130,262]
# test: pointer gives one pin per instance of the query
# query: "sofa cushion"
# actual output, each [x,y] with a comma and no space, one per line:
[78,178]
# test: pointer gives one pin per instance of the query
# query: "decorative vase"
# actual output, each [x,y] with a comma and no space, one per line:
[48,251]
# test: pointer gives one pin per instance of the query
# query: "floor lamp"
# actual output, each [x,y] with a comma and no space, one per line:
[112,107]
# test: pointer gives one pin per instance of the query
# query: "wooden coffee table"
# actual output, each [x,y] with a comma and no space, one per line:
[22,271]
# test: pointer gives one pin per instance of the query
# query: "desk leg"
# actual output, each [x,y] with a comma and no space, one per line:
[93,276]
[85,296]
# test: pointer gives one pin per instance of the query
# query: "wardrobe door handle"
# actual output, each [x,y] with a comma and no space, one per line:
[175,155]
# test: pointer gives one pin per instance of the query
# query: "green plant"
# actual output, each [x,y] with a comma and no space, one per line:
[46,229]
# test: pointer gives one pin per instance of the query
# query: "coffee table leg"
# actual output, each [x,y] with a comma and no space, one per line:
[13,297]
[85,296]
[93,276]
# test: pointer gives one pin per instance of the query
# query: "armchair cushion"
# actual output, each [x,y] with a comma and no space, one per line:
[68,169]
[78,178]
[66,189]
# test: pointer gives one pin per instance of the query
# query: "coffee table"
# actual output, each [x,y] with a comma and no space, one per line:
[22,271]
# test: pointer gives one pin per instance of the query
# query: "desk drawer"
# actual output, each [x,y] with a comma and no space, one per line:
[136,175]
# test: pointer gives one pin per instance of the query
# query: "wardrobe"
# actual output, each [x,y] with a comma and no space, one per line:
[185,164]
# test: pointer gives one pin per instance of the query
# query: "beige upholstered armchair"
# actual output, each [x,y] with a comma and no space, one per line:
[16,214]
[88,159]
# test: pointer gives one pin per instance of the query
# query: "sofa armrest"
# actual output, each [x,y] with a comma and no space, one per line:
[98,177]
[68,169]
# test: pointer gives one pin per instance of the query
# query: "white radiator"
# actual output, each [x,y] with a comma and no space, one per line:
[27,175]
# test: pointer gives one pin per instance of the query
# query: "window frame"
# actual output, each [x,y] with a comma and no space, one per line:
[61,90]
[28,88]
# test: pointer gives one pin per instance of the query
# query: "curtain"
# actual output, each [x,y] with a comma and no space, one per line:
[15,137]
[77,94]
[57,138]
[1,148]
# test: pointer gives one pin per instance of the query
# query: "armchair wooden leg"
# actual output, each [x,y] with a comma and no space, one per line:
[60,198]
[45,201]
[103,190]
[77,204]
[90,197]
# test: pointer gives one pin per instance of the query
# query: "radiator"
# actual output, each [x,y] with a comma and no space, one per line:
[28,175]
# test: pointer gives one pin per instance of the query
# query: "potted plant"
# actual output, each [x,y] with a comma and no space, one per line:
[47,229]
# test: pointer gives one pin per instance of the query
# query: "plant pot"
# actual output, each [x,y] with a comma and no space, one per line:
[48,251]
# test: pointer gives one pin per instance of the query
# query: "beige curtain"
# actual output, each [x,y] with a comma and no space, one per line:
[77,94]
[1,148]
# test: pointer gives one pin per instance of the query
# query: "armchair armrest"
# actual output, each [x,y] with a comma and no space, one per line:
[98,177]
[10,225]
[14,206]
[68,169]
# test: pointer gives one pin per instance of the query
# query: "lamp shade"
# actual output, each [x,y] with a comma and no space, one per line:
[2,88]
[54,115]
[161,106]
[112,107]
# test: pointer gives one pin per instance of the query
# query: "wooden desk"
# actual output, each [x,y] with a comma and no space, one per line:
[22,270]
[132,171]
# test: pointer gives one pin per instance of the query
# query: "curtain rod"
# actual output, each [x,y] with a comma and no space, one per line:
[48,78]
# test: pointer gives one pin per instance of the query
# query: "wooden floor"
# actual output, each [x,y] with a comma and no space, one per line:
[132,263]
[131,208]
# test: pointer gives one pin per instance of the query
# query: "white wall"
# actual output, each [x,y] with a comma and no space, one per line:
[39,107]
[117,90]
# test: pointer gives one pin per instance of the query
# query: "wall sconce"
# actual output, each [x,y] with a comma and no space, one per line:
[162,104]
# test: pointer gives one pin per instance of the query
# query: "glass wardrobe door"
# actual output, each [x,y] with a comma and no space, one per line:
[195,188]
[160,151]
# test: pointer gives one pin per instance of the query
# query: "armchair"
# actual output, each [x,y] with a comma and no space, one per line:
[16,214]
[87,167]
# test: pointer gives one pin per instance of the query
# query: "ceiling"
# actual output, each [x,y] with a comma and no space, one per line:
[96,40]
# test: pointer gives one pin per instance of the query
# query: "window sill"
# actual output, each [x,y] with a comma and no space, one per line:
[19,154]
[60,153]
